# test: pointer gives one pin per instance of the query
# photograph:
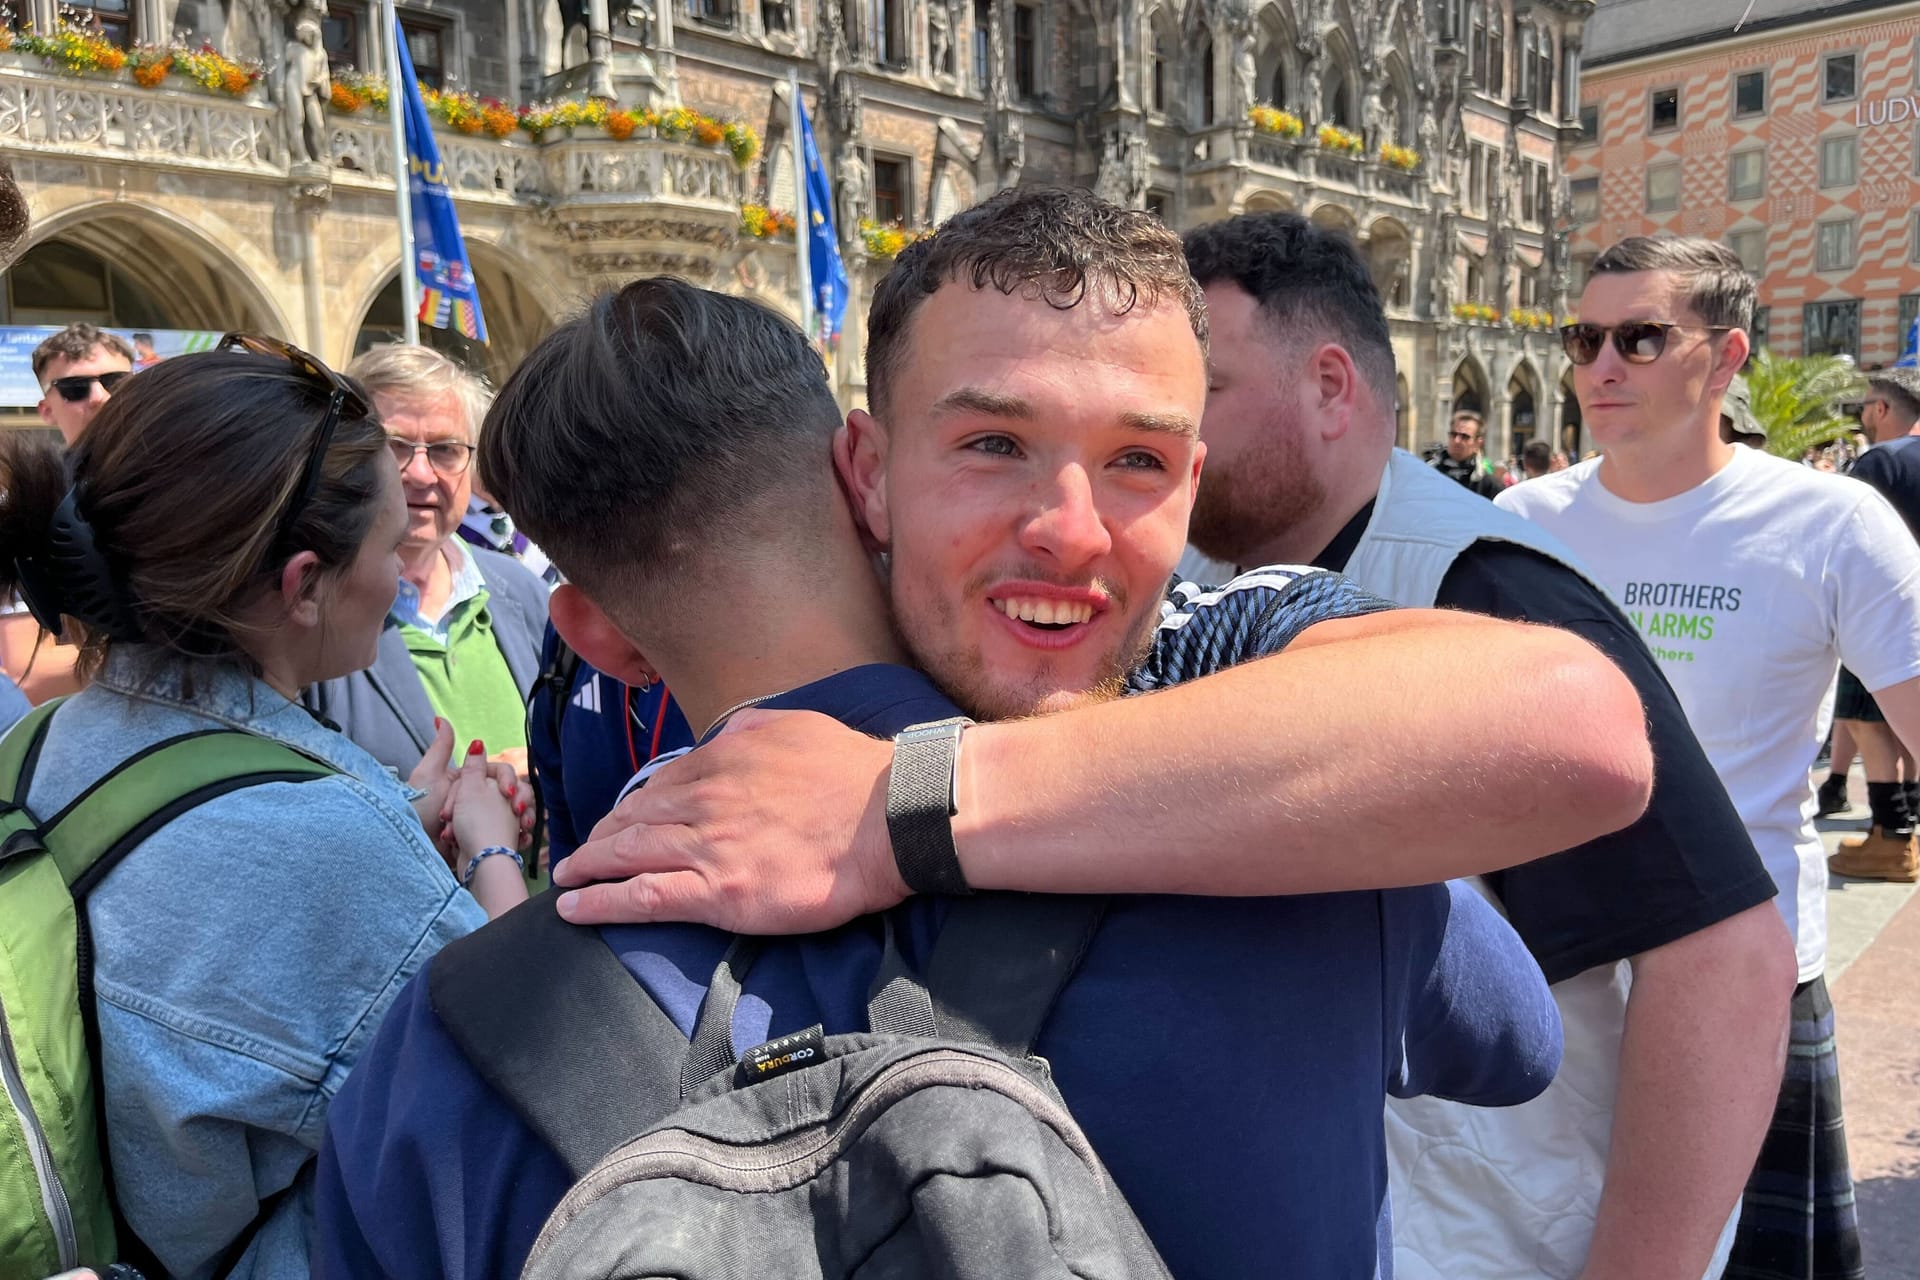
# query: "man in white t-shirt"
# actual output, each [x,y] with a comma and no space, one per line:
[1751,579]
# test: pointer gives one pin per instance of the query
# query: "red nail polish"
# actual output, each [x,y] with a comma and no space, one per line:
[476,748]
[520,806]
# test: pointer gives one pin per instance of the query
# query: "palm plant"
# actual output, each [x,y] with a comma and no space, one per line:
[1798,398]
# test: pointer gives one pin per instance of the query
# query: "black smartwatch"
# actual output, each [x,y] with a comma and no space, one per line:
[921,803]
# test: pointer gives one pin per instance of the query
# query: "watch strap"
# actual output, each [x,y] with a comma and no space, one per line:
[921,806]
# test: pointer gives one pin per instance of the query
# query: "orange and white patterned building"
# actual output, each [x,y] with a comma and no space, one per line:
[1792,136]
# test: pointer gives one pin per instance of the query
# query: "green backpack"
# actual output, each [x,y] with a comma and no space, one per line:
[56,1211]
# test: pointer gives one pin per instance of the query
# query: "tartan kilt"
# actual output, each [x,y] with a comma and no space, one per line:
[1797,1218]
[1851,701]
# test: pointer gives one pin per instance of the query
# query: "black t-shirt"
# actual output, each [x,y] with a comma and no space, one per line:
[1894,469]
[1685,864]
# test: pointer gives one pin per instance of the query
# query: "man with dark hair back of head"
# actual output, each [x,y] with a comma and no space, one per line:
[715,531]
[1781,573]
[1536,459]
[77,369]
[1301,469]
[1889,850]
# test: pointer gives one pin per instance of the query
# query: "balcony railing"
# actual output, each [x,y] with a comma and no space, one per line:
[115,119]
[1300,160]
[111,118]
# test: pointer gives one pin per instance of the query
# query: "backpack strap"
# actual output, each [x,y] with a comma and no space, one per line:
[19,752]
[1001,961]
[588,1065]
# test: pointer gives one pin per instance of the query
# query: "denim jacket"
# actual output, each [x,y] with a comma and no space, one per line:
[245,954]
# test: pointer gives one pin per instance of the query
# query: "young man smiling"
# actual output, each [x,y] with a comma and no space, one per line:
[614,443]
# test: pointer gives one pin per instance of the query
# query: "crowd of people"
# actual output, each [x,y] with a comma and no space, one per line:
[854,742]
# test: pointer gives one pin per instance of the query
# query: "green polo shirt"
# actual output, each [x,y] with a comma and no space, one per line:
[467,679]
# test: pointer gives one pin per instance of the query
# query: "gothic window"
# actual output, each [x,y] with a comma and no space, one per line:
[1496,50]
[1477,56]
[891,199]
[1026,50]
[1277,88]
[887,20]
[114,18]
[1543,80]
[1523,71]
[982,42]
[1336,104]
[776,15]
[1160,69]
[717,13]
[340,36]
[426,45]
[1207,95]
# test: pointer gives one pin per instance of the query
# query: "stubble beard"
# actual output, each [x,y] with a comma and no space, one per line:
[1265,494]
[963,676]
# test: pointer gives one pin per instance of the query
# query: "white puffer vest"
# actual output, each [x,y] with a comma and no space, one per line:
[1495,1193]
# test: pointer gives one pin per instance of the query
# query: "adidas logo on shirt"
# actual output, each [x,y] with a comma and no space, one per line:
[587,697]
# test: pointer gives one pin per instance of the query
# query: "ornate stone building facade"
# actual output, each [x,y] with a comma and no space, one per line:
[193,210]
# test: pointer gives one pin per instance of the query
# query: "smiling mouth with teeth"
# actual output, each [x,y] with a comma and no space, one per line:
[1050,615]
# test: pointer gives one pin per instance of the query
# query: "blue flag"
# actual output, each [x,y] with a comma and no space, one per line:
[449,297]
[829,274]
[1910,350]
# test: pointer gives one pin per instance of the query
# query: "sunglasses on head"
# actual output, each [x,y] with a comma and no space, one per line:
[344,399]
[78,386]
[1637,341]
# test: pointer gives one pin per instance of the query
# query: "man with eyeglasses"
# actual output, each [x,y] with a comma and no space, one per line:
[77,369]
[1670,968]
[461,648]
[1461,461]
[1752,578]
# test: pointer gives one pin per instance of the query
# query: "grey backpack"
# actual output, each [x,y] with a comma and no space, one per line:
[932,1145]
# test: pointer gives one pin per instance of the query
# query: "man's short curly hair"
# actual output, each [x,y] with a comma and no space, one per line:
[1060,244]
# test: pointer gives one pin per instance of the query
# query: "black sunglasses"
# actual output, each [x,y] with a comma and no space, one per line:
[344,400]
[1637,341]
[78,386]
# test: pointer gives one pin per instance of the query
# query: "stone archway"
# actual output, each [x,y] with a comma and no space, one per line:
[1572,438]
[155,273]
[1526,409]
[1269,202]
[1470,388]
[515,318]
[1389,250]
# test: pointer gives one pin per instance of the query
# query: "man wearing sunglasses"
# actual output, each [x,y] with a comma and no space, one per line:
[1752,578]
[1670,968]
[77,369]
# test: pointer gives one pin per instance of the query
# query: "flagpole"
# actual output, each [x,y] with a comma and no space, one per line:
[802,226]
[403,206]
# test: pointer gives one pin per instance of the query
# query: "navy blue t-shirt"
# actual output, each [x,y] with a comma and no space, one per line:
[1228,1058]
[604,731]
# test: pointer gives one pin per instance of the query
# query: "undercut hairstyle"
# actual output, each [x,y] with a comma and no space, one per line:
[1058,244]
[1309,281]
[419,375]
[77,342]
[1900,388]
[1536,457]
[1717,288]
[665,428]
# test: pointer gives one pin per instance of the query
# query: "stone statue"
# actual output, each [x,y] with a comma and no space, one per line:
[1374,126]
[1110,180]
[1441,260]
[846,107]
[851,179]
[1429,141]
[1139,169]
[253,32]
[939,37]
[306,87]
[996,86]
[640,16]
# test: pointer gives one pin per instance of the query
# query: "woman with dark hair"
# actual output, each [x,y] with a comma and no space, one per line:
[224,535]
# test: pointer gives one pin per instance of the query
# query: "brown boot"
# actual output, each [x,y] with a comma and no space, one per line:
[1878,855]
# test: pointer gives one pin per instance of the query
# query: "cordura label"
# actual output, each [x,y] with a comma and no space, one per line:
[775,1057]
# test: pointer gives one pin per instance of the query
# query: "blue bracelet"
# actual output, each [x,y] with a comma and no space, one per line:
[466,881]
